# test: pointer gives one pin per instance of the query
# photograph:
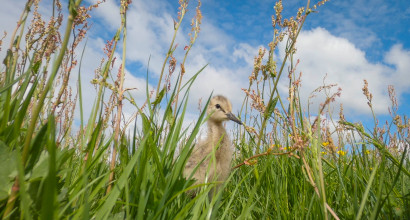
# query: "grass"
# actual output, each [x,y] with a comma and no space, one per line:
[286,165]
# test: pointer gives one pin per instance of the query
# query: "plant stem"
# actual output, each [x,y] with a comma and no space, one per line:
[38,107]
[265,119]
[170,51]
[120,98]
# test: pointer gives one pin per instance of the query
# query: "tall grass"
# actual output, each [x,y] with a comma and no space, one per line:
[286,164]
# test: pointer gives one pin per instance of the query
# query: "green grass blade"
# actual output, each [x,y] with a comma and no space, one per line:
[366,193]
[49,205]
[105,209]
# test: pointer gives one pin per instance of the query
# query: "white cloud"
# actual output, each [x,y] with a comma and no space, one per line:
[400,59]
[214,39]
[92,58]
[150,31]
[9,16]
[110,12]
[321,53]
[245,52]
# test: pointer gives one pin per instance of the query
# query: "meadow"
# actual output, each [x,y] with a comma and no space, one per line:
[289,162]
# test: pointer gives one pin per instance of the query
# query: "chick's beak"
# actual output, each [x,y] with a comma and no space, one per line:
[233,118]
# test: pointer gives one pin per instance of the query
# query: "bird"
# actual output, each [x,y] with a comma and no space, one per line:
[215,167]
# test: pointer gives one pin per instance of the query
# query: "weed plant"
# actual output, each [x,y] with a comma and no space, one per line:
[288,164]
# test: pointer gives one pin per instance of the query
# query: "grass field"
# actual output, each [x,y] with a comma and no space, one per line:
[288,164]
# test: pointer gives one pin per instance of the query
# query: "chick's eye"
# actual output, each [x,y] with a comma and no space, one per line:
[217,106]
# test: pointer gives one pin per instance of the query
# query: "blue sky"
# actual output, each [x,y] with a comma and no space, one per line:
[349,40]
[373,27]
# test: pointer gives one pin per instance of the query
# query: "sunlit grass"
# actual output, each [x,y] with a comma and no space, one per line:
[286,164]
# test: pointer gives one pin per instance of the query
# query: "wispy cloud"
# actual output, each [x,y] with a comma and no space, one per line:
[340,53]
[321,54]
[370,25]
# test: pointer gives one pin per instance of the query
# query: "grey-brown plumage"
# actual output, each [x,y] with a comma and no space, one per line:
[219,110]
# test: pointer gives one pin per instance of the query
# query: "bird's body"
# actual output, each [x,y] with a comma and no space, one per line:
[215,152]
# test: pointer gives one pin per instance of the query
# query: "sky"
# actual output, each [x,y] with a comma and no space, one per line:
[346,40]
